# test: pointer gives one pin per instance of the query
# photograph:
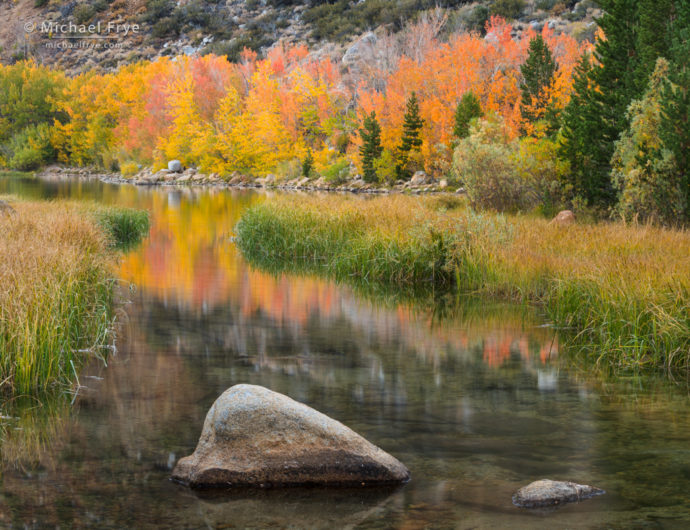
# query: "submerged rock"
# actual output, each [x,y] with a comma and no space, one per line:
[547,492]
[253,436]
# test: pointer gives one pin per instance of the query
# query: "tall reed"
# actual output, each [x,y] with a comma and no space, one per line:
[57,292]
[621,293]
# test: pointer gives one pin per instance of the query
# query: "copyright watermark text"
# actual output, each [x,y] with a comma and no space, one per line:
[82,31]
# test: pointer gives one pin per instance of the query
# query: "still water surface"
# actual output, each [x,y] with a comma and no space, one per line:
[474,399]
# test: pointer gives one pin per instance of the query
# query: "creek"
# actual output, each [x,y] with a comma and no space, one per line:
[476,398]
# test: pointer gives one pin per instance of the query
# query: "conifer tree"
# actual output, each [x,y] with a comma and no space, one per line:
[653,37]
[580,117]
[412,138]
[592,131]
[675,103]
[308,165]
[371,148]
[644,170]
[468,109]
[538,72]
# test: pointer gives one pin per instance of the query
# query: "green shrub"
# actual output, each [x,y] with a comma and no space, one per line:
[509,175]
[545,4]
[100,5]
[83,13]
[584,32]
[342,142]
[337,173]
[340,19]
[158,9]
[166,27]
[385,167]
[31,148]
[26,160]
[471,18]
[252,40]
[485,163]
[508,9]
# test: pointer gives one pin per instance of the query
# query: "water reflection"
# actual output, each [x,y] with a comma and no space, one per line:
[472,397]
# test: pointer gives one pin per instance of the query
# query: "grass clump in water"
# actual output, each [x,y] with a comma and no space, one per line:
[124,225]
[622,292]
[57,292]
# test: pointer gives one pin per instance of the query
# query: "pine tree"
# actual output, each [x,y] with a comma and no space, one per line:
[371,148]
[468,109]
[675,103]
[653,37]
[580,119]
[591,131]
[308,165]
[538,72]
[412,138]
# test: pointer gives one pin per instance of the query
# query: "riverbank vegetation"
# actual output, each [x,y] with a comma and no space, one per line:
[269,114]
[56,302]
[522,120]
[621,293]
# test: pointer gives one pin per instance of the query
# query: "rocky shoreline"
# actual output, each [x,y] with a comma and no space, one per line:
[419,183]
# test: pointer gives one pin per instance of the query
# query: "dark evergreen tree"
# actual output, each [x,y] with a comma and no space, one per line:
[308,165]
[468,109]
[653,37]
[538,72]
[675,121]
[580,118]
[591,133]
[371,149]
[412,137]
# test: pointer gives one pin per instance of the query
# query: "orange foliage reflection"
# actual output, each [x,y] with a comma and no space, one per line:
[190,261]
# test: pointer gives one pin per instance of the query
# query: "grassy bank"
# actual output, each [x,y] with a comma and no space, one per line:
[57,287]
[622,292]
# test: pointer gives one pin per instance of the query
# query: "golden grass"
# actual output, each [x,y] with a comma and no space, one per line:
[622,291]
[56,296]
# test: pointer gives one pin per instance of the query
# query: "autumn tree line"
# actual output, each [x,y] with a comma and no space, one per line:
[538,121]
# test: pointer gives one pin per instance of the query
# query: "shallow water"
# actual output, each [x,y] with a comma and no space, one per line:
[473,398]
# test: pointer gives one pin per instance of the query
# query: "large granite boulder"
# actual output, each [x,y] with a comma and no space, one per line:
[547,492]
[175,166]
[253,436]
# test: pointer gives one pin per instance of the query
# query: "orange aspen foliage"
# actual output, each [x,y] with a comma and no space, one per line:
[489,67]
[257,114]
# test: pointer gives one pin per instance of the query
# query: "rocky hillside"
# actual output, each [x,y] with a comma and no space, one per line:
[80,35]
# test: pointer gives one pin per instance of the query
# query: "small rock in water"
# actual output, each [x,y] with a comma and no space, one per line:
[253,436]
[547,492]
